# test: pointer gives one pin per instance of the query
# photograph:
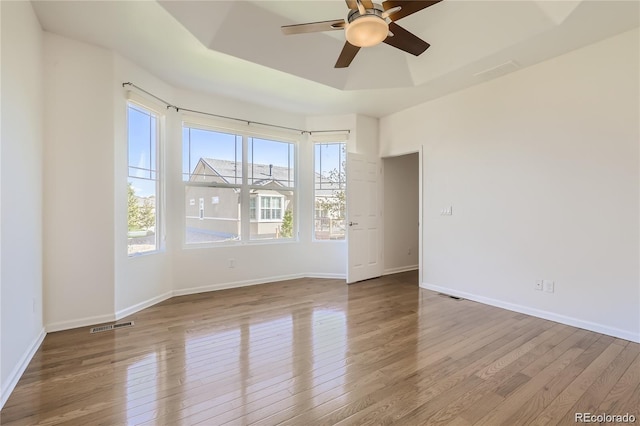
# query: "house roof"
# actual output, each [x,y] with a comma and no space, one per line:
[227,171]
[259,174]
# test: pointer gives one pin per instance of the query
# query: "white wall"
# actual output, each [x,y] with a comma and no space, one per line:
[401,208]
[78,184]
[21,192]
[541,168]
[367,137]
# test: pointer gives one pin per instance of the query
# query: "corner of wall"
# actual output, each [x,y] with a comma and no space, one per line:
[21,279]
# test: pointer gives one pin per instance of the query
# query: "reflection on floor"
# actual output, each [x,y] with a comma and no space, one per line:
[316,351]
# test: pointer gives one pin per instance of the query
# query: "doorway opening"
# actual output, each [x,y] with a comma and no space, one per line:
[401,218]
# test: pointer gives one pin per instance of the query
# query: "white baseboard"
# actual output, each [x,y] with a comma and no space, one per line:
[101,319]
[563,319]
[142,305]
[399,269]
[235,284]
[22,365]
[81,322]
[326,276]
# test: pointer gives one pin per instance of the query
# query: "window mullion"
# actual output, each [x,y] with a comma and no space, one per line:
[245,221]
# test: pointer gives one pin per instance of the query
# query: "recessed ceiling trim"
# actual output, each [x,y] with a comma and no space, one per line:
[498,70]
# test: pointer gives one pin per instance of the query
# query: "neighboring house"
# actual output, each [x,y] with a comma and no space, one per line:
[215,211]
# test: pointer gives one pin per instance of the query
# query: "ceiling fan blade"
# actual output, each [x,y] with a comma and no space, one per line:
[313,27]
[349,52]
[368,4]
[390,12]
[353,4]
[408,7]
[404,40]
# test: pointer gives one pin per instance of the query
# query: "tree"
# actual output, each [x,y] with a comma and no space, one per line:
[335,205]
[147,215]
[139,217]
[133,209]
[287,224]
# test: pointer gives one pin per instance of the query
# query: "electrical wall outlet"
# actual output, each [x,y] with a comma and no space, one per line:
[538,285]
[232,263]
[447,211]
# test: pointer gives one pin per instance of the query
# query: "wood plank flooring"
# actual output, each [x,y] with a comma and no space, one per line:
[319,352]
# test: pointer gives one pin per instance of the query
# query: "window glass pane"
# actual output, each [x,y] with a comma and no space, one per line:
[142,141]
[209,156]
[212,161]
[276,215]
[141,218]
[212,214]
[271,163]
[330,186]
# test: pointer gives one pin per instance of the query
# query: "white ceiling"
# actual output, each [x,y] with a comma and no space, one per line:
[236,48]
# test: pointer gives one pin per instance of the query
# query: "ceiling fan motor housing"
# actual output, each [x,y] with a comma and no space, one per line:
[366,29]
[376,11]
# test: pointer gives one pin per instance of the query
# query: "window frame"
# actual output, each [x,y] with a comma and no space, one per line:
[148,109]
[337,140]
[246,188]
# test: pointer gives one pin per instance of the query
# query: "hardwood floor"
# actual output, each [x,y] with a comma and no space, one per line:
[319,352]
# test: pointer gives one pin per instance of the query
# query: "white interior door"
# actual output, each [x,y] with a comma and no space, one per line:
[364,257]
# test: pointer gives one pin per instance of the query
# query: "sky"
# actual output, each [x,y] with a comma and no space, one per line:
[329,157]
[197,143]
[142,128]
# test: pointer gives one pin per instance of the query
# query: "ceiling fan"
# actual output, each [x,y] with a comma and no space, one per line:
[369,24]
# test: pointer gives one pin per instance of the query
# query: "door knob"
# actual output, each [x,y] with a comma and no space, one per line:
[353,223]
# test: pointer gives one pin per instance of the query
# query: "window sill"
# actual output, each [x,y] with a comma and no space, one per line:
[145,254]
[228,244]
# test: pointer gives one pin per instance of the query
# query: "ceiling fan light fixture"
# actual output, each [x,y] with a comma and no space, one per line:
[366,31]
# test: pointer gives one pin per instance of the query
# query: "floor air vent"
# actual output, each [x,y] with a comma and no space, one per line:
[111,327]
[450,296]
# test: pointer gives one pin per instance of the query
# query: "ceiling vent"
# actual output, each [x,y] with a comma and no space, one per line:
[498,70]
